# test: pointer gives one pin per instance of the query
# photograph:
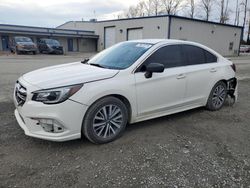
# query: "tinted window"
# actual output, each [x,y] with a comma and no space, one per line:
[210,58]
[169,56]
[195,55]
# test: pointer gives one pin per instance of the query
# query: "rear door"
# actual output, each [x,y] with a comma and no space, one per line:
[201,72]
[109,36]
[163,91]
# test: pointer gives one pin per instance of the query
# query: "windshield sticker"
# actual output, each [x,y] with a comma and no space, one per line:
[141,45]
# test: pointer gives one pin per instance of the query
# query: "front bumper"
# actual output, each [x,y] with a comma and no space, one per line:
[69,114]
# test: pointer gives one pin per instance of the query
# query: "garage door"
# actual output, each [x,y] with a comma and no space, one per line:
[109,38]
[134,34]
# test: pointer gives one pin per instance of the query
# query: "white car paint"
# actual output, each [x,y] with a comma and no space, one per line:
[175,90]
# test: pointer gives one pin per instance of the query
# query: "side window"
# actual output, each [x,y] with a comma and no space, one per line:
[169,56]
[210,58]
[195,55]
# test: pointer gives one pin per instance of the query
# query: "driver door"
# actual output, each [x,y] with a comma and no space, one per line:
[163,91]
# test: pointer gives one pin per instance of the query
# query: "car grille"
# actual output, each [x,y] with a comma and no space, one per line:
[28,47]
[57,47]
[20,94]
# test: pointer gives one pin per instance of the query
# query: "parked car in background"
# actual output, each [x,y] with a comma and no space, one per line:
[129,82]
[244,49]
[19,44]
[50,46]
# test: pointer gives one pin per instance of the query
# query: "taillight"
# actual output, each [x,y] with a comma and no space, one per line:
[233,67]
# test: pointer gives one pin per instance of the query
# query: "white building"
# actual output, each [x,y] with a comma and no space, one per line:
[91,36]
[223,38]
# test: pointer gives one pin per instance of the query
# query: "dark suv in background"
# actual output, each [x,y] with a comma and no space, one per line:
[50,46]
[21,44]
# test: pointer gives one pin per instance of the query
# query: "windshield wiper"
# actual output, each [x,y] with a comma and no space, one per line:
[98,65]
[85,61]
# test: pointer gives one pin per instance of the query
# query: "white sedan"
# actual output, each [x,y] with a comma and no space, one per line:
[129,82]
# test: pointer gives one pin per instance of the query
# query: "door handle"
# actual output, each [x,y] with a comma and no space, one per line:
[213,70]
[181,76]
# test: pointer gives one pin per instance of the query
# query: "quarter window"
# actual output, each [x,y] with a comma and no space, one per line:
[169,56]
[195,55]
[210,58]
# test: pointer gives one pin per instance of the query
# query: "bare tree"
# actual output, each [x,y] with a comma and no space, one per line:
[244,3]
[140,9]
[135,11]
[171,6]
[224,11]
[237,13]
[206,5]
[131,12]
[248,33]
[191,6]
[156,6]
[147,7]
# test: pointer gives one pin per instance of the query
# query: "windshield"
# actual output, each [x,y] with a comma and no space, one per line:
[120,56]
[52,42]
[22,39]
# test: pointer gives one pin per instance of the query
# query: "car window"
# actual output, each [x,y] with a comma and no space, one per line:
[169,56]
[120,56]
[210,58]
[195,55]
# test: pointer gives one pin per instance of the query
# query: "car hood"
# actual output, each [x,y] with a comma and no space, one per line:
[67,74]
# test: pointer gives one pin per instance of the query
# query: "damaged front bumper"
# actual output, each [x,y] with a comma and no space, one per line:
[232,89]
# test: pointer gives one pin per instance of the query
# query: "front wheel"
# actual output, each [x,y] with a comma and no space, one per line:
[217,96]
[105,120]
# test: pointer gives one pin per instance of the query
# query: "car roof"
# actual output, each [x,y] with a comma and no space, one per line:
[173,41]
[164,41]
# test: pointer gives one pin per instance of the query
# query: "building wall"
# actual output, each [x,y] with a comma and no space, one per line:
[152,28]
[217,37]
[156,27]
[78,25]
[87,45]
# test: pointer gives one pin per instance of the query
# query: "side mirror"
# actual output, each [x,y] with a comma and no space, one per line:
[153,67]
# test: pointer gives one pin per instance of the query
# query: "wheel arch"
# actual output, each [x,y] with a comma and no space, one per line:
[121,98]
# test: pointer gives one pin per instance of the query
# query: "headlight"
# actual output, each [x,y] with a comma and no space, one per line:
[56,95]
[20,46]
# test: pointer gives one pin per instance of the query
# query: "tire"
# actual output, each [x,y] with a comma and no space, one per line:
[34,52]
[217,96]
[17,51]
[100,128]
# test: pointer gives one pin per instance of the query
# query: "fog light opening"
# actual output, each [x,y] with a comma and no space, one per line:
[50,125]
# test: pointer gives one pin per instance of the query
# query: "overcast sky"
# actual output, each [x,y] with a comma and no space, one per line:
[51,13]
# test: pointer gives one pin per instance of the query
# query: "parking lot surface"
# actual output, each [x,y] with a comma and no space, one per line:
[197,148]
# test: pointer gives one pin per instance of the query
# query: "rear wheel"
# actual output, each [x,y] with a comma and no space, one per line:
[105,120]
[217,96]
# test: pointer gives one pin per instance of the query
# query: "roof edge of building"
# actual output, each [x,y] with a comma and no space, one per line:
[36,27]
[157,16]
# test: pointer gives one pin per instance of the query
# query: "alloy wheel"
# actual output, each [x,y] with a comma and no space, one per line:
[108,121]
[219,96]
